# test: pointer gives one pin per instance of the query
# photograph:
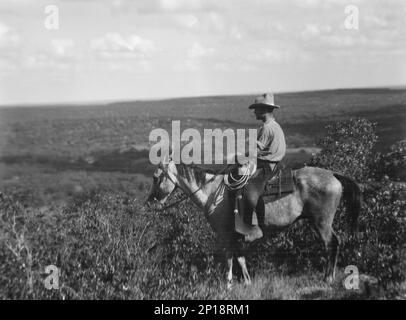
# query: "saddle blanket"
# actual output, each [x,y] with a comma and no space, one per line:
[279,186]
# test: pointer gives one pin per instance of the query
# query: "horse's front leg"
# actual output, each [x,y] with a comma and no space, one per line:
[246,275]
[229,257]
[235,248]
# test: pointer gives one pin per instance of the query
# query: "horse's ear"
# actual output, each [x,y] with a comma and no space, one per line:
[166,159]
[171,151]
[167,156]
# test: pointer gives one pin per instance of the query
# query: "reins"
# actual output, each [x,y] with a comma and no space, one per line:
[187,196]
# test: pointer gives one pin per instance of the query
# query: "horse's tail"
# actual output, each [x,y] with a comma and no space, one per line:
[352,198]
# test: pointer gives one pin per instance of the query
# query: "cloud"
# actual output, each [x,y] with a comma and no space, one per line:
[197,51]
[375,21]
[311,4]
[8,36]
[216,21]
[3,29]
[176,5]
[362,41]
[186,5]
[101,38]
[187,20]
[260,59]
[112,44]
[341,40]
[235,33]
[10,49]
[313,30]
[194,57]
[119,66]
[319,36]
[124,54]
[147,7]
[270,56]
[207,22]
[63,46]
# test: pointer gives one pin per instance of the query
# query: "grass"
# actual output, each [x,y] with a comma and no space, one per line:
[277,286]
[41,185]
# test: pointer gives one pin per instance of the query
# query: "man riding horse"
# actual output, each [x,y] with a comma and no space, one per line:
[315,197]
[271,148]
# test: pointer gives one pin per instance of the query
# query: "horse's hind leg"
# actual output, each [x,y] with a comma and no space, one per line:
[246,275]
[229,257]
[333,250]
[331,244]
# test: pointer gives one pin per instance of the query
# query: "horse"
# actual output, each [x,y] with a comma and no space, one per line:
[316,196]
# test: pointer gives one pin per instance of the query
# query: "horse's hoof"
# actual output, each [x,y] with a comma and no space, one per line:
[329,279]
[230,285]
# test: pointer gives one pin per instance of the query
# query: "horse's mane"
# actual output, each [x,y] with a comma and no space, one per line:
[194,172]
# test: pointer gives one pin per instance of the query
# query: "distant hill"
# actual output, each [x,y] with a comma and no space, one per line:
[82,130]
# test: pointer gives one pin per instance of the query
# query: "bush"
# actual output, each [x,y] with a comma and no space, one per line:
[16,274]
[107,247]
[100,246]
[391,165]
[378,249]
[348,148]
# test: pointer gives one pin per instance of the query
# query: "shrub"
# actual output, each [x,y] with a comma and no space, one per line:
[16,274]
[391,165]
[348,148]
[186,260]
[99,244]
[107,246]
[379,246]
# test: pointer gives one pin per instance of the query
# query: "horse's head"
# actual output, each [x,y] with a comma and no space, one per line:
[164,181]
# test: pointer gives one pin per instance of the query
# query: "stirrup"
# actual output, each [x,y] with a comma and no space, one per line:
[238,196]
[254,234]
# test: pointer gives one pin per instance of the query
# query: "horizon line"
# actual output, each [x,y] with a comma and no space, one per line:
[147,99]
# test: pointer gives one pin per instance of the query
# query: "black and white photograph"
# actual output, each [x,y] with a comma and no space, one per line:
[212,152]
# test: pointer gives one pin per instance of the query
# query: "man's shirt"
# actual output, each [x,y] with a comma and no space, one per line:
[271,145]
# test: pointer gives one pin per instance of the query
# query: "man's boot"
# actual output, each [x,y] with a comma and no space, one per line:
[254,232]
[249,229]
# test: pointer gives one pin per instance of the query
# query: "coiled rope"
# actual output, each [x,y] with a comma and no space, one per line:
[238,183]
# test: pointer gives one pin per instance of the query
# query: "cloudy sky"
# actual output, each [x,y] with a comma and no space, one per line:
[129,49]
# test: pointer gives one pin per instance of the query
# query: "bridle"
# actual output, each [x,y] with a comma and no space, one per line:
[187,196]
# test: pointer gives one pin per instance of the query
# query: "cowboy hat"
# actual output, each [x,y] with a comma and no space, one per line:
[265,100]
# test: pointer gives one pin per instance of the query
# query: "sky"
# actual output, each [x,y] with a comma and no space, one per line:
[122,50]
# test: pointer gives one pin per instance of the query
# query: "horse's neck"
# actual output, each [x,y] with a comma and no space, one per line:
[201,195]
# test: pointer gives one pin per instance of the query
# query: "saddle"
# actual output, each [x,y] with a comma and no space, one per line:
[280,185]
